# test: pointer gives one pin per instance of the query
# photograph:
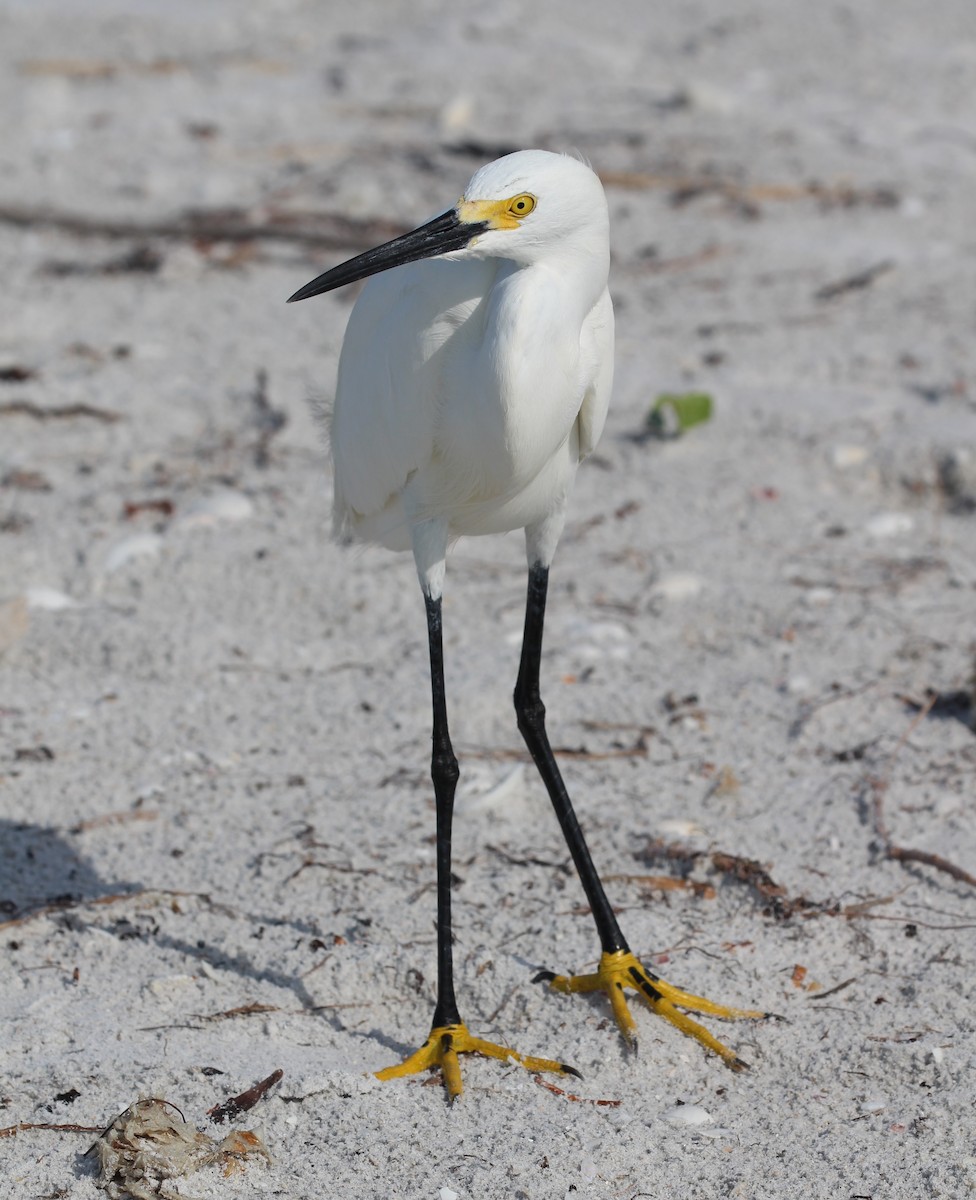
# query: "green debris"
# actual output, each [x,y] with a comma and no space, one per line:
[673,413]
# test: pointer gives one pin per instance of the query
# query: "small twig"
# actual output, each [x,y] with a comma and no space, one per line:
[26,408]
[863,906]
[13,1130]
[558,1091]
[342,868]
[116,898]
[326,230]
[163,506]
[528,861]
[506,754]
[854,283]
[242,1010]
[116,818]
[682,262]
[667,883]
[879,787]
[246,1100]
[906,854]
[686,187]
[834,990]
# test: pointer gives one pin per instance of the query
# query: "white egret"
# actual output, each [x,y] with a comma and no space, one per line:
[473,379]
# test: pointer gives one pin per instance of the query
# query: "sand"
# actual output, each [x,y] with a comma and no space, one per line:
[216,857]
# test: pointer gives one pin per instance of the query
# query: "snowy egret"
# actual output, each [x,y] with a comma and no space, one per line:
[472,380]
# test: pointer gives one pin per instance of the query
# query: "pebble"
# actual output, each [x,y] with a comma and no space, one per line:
[843,457]
[447,1194]
[709,97]
[619,1117]
[889,524]
[481,791]
[680,827]
[208,511]
[677,585]
[140,545]
[167,985]
[601,640]
[47,599]
[874,1103]
[687,1114]
[456,114]
[819,597]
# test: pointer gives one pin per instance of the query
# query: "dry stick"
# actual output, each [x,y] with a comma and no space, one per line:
[506,754]
[239,1104]
[558,1091]
[834,990]
[667,883]
[906,854]
[325,230]
[116,818]
[879,786]
[853,283]
[13,1130]
[687,187]
[117,898]
[242,1010]
[25,408]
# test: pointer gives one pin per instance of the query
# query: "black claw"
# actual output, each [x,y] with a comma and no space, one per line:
[544,977]
[568,1070]
[738,1064]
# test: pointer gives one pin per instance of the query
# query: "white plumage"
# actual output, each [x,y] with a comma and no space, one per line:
[471,385]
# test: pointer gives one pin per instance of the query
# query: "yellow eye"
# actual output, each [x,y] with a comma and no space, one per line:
[521,206]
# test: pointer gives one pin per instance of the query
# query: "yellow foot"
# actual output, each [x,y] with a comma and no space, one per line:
[622,970]
[444,1045]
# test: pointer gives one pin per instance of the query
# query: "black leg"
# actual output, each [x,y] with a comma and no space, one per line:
[531,714]
[449,1037]
[444,772]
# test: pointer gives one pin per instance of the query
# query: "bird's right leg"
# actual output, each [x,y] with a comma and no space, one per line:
[619,968]
[449,1036]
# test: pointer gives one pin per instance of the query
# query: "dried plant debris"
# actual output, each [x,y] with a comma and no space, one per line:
[246,1100]
[777,903]
[151,1143]
[141,259]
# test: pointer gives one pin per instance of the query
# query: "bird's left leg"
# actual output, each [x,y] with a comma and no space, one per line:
[449,1036]
[619,969]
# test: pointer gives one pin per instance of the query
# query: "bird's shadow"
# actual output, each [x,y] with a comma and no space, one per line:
[39,868]
[40,871]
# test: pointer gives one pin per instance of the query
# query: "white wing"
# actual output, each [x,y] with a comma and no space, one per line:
[389,388]
[596,361]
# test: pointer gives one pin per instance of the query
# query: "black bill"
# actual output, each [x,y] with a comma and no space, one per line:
[445,233]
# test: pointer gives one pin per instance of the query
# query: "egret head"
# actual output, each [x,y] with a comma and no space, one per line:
[523,207]
[531,203]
